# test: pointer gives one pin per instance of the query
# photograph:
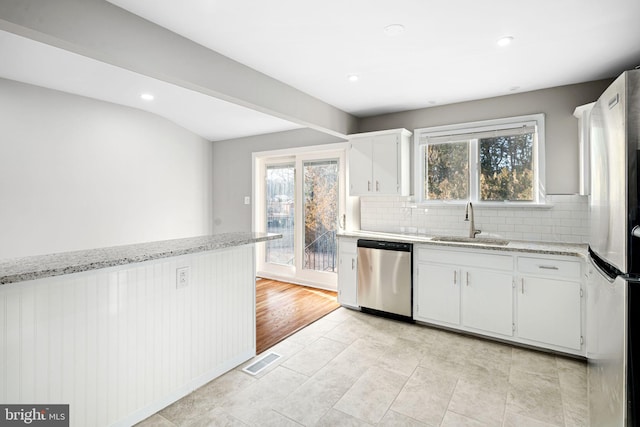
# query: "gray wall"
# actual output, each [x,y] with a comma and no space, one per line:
[557,104]
[232,164]
[232,158]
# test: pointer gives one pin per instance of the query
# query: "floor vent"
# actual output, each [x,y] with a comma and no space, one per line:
[262,363]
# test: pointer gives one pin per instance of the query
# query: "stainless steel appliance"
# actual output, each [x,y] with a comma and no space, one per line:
[385,278]
[613,332]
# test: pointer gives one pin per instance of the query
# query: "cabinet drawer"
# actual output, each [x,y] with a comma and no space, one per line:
[466,259]
[549,267]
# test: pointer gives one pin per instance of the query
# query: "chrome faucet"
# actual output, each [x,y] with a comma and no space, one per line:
[472,226]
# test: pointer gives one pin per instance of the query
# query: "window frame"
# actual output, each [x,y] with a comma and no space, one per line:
[456,132]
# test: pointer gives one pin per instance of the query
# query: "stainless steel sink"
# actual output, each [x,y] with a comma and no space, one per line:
[472,240]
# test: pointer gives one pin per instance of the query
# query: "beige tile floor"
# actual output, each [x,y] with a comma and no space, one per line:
[353,369]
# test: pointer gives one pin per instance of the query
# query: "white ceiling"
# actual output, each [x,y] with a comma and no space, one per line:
[40,64]
[446,54]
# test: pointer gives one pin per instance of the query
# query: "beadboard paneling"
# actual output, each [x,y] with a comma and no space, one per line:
[119,344]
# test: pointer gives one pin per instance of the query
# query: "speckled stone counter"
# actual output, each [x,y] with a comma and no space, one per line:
[36,267]
[569,249]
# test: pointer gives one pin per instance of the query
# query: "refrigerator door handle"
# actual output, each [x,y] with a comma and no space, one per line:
[636,231]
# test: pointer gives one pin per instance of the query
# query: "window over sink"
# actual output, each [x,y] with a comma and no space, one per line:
[492,161]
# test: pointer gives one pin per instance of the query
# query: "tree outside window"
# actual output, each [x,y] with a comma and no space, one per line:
[447,168]
[490,161]
[506,168]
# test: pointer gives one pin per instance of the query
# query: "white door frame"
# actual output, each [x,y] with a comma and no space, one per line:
[295,273]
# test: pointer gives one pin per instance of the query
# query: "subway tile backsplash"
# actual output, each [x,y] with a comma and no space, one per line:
[565,220]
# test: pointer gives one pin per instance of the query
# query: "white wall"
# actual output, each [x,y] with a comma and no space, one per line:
[77,173]
[119,344]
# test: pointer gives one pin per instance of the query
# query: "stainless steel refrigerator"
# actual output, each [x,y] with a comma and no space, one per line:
[613,286]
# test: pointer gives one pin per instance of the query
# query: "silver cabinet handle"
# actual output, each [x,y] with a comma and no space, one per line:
[343,221]
[368,185]
[455,277]
[377,185]
[353,263]
[522,285]
[548,267]
[467,278]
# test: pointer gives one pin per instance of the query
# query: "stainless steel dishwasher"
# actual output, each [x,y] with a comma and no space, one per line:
[385,278]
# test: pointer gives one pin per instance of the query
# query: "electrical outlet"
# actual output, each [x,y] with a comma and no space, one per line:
[182,277]
[247,200]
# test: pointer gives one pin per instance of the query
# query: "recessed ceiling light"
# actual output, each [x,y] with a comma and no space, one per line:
[147,97]
[394,29]
[505,41]
[353,78]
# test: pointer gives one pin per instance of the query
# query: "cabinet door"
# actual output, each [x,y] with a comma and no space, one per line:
[360,167]
[487,301]
[438,293]
[549,311]
[347,278]
[385,164]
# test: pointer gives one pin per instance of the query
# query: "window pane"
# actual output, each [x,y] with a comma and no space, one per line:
[447,167]
[506,167]
[280,213]
[320,215]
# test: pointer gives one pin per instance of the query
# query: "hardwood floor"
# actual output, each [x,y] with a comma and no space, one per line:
[283,308]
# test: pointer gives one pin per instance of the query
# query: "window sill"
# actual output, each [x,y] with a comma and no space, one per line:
[507,205]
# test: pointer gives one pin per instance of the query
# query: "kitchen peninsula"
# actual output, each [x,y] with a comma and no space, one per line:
[119,333]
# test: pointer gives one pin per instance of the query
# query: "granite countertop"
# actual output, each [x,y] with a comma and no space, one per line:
[36,267]
[549,248]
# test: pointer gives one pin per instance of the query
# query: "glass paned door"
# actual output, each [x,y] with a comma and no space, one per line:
[280,213]
[300,196]
[321,193]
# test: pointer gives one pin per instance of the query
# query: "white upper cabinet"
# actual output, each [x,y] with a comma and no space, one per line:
[379,163]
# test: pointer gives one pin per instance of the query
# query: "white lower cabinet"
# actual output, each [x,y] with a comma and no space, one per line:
[533,300]
[549,304]
[348,272]
[487,301]
[452,290]
[437,293]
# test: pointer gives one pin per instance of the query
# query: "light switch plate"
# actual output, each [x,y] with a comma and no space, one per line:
[247,200]
[182,277]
